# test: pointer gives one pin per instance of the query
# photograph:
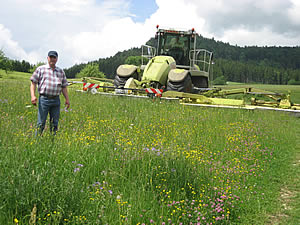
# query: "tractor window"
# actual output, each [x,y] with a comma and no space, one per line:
[172,41]
[176,46]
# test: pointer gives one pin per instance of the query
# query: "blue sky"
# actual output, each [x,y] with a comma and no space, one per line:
[142,9]
[86,30]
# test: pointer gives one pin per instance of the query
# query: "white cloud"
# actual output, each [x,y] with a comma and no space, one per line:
[124,33]
[177,14]
[9,46]
[294,12]
[115,36]
[251,22]
[86,30]
[264,37]
[78,21]
[13,50]
[64,6]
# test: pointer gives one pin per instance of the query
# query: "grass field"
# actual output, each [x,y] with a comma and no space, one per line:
[134,161]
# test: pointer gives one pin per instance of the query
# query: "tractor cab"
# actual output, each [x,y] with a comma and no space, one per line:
[177,44]
[181,45]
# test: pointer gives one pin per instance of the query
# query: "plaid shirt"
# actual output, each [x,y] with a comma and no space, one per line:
[50,82]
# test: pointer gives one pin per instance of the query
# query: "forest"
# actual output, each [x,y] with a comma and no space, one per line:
[248,64]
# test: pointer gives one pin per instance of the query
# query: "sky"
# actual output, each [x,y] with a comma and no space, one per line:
[86,30]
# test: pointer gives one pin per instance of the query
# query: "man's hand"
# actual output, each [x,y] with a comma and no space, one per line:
[33,100]
[67,104]
[65,93]
[32,93]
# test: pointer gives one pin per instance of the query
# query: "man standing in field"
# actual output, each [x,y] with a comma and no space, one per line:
[51,81]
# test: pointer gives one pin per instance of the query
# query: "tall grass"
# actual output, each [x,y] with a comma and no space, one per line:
[130,161]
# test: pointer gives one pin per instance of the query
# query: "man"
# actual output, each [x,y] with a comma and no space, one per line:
[51,81]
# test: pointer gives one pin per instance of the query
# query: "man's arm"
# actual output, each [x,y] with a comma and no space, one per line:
[65,93]
[32,93]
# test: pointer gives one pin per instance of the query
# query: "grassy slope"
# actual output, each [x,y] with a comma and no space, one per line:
[13,75]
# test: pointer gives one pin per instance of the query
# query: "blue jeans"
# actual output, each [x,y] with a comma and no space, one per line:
[51,106]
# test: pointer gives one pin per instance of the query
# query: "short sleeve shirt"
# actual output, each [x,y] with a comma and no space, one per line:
[50,82]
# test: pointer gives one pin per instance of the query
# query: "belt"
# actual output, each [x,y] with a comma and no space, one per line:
[49,96]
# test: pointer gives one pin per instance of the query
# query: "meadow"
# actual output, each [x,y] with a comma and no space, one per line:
[118,160]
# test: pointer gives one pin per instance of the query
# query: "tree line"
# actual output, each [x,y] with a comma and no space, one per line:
[14,65]
[253,72]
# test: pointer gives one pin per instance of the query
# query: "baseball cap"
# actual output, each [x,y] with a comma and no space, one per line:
[52,53]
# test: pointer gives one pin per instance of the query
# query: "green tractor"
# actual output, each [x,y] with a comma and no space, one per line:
[175,65]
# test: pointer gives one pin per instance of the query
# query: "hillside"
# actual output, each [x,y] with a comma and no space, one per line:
[270,65]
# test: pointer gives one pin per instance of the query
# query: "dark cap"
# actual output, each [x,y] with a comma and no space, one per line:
[52,53]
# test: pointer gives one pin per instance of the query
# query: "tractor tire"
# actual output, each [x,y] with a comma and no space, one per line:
[200,82]
[119,82]
[184,86]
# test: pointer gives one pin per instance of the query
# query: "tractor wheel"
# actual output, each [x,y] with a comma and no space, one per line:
[184,86]
[120,82]
[200,82]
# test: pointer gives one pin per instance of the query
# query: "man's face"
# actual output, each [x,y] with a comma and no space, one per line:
[52,60]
